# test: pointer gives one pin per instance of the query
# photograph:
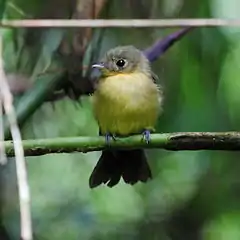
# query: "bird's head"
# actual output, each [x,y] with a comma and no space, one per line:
[123,60]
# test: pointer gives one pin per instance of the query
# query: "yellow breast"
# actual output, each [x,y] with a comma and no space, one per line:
[126,104]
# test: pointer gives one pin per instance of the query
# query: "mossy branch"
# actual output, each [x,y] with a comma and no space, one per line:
[228,141]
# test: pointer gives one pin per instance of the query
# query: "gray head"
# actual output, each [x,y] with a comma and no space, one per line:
[123,59]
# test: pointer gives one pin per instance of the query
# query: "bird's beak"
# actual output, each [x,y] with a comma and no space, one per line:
[98,65]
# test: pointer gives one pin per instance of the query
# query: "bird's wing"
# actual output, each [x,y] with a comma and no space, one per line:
[154,77]
[156,81]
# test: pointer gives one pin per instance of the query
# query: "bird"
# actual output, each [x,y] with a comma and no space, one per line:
[127,100]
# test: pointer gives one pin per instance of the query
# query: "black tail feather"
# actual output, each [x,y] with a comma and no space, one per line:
[131,165]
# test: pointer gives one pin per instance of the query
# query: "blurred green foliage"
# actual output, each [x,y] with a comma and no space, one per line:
[194,195]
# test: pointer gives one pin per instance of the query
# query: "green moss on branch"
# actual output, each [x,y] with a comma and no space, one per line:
[229,141]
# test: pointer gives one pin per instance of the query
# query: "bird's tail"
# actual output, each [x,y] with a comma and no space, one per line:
[131,165]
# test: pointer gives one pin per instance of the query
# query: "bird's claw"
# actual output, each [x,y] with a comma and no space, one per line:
[146,136]
[108,137]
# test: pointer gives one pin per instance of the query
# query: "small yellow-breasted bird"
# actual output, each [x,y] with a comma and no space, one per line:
[126,101]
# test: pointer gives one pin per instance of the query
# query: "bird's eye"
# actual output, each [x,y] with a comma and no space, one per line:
[120,63]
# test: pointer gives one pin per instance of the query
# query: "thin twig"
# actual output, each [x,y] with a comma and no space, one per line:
[227,141]
[24,195]
[102,23]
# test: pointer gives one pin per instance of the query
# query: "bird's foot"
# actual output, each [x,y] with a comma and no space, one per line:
[109,136]
[146,135]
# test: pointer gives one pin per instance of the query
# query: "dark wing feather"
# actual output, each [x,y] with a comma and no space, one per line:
[154,77]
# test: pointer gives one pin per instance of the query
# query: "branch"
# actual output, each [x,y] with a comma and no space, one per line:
[23,188]
[170,141]
[103,23]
